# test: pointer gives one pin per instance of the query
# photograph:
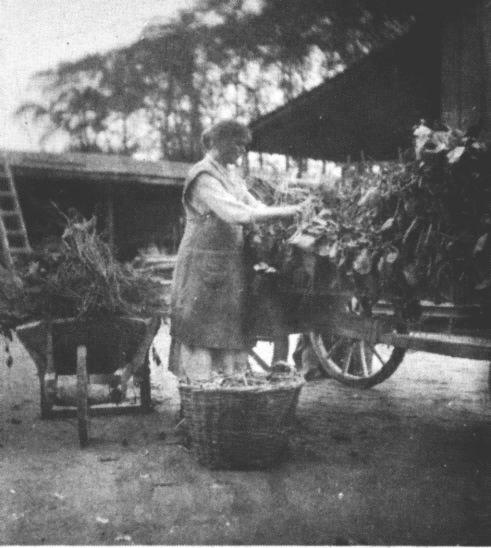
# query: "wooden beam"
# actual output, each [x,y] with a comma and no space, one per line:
[353,327]
[110,215]
[457,346]
[485,19]
[5,256]
[89,177]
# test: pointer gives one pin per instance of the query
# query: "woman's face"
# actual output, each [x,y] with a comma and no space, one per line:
[231,150]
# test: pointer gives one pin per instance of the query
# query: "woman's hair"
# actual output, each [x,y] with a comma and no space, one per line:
[226,130]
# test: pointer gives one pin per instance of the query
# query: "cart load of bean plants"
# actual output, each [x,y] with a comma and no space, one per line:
[400,231]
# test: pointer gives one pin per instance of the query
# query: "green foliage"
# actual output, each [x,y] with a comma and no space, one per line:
[286,29]
[418,230]
[242,58]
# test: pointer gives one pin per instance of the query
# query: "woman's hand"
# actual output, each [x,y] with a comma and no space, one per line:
[269,213]
[291,210]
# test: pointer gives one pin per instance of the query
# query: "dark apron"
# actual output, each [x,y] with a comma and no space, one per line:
[209,287]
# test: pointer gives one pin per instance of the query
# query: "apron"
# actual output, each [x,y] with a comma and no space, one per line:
[209,285]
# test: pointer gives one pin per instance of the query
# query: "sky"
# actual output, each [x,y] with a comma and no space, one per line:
[39,34]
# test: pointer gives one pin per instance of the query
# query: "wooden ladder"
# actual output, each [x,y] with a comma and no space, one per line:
[13,233]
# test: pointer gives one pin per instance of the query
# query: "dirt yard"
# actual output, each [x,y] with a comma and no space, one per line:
[407,462]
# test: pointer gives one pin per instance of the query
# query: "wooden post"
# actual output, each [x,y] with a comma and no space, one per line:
[50,361]
[245,164]
[281,349]
[110,215]
[5,257]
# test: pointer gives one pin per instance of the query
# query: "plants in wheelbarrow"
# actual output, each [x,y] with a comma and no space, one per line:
[78,277]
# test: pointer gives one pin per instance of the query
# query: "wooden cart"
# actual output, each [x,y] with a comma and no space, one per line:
[110,352]
[363,347]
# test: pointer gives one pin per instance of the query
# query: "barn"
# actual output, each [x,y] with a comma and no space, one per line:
[440,70]
[137,203]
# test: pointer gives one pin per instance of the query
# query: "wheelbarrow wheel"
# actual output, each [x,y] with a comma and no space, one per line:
[82,396]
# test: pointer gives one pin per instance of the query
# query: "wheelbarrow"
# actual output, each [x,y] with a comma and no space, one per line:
[109,352]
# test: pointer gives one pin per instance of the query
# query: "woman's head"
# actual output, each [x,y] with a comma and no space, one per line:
[228,139]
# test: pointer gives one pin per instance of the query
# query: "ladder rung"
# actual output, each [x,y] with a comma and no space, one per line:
[15,236]
[20,250]
[16,232]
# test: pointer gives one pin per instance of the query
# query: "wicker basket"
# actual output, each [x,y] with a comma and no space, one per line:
[240,427]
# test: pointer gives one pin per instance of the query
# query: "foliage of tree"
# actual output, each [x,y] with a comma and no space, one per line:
[238,58]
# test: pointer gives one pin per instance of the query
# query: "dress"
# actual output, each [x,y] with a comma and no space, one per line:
[208,302]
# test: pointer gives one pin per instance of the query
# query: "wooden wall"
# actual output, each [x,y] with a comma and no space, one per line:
[140,215]
[466,64]
[146,215]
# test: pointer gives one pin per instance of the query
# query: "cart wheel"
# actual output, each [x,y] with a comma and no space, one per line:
[145,388]
[356,363]
[82,396]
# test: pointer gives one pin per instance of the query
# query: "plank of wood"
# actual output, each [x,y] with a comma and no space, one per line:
[457,346]
[353,327]
[5,256]
[110,216]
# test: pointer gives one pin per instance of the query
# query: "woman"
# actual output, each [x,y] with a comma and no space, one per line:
[208,305]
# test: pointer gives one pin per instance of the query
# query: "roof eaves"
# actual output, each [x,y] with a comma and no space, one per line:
[98,165]
[337,80]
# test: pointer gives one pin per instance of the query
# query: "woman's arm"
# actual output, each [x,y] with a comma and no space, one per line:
[209,192]
[268,213]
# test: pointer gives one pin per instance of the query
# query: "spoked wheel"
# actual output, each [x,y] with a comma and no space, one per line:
[82,396]
[356,363]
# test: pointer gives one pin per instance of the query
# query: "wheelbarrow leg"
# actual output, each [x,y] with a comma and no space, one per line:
[47,377]
[46,391]
[145,388]
[82,396]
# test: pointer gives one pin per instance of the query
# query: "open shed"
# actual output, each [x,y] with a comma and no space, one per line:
[439,70]
[138,203]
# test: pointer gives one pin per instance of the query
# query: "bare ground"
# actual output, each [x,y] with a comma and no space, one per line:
[407,462]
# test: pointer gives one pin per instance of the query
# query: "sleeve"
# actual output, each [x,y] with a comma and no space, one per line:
[250,199]
[208,192]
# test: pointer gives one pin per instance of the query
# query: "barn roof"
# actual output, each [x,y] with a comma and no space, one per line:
[369,108]
[96,167]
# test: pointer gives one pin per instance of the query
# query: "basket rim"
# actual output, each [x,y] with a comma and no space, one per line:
[280,386]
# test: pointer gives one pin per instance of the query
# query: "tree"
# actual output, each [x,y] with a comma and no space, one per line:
[239,58]
[90,102]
